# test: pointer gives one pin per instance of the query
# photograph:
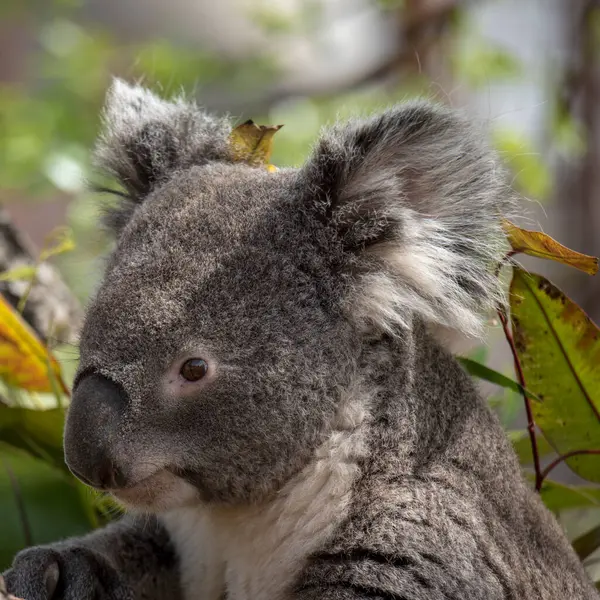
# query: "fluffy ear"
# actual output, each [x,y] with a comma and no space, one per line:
[415,196]
[145,139]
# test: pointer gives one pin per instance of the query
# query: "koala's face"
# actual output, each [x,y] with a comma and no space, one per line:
[237,302]
[207,356]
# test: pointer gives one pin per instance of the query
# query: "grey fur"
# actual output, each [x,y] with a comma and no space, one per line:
[336,449]
[132,558]
[145,139]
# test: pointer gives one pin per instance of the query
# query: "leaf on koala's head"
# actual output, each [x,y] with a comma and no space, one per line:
[536,243]
[24,361]
[252,143]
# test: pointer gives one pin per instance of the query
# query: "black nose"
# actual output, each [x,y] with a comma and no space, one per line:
[92,432]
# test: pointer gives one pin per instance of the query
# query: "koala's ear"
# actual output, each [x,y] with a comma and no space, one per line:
[145,139]
[415,197]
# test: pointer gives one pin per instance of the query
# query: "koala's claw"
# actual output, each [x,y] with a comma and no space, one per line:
[67,574]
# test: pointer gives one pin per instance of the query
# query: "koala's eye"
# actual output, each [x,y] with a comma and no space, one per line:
[194,369]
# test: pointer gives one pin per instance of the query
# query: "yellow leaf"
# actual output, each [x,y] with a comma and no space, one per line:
[536,243]
[252,143]
[24,361]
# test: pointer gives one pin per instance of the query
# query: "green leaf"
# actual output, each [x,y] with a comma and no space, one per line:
[479,354]
[38,432]
[38,504]
[559,496]
[507,406]
[24,272]
[58,241]
[568,133]
[478,62]
[587,543]
[478,370]
[559,349]
[522,446]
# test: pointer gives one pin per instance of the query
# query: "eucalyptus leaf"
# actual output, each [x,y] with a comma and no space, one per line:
[522,446]
[38,504]
[37,432]
[541,245]
[587,543]
[21,273]
[478,370]
[560,496]
[559,350]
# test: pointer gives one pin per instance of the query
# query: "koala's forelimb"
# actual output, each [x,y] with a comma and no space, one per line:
[132,558]
[4,595]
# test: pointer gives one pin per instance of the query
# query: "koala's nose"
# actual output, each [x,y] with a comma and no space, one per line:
[92,429]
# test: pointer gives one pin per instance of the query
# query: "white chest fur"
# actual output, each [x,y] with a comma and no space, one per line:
[254,553]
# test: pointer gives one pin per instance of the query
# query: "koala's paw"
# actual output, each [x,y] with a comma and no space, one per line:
[72,573]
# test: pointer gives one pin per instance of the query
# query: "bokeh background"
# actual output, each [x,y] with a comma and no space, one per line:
[528,70]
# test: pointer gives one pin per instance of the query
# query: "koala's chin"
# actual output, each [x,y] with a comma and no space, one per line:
[160,492]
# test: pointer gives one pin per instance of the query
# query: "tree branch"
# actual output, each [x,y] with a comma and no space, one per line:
[561,459]
[526,400]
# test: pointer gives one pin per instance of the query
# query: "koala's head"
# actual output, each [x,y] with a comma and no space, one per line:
[237,302]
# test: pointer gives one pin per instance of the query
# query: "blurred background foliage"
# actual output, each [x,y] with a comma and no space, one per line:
[527,71]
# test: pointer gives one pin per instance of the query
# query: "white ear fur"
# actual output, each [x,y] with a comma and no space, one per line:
[418,275]
[417,197]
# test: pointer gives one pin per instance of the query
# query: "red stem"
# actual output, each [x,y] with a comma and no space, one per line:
[530,422]
[506,258]
[562,458]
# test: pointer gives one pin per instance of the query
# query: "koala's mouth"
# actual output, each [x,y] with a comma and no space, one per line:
[163,490]
[138,485]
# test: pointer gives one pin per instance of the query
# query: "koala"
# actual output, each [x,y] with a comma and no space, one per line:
[264,382]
